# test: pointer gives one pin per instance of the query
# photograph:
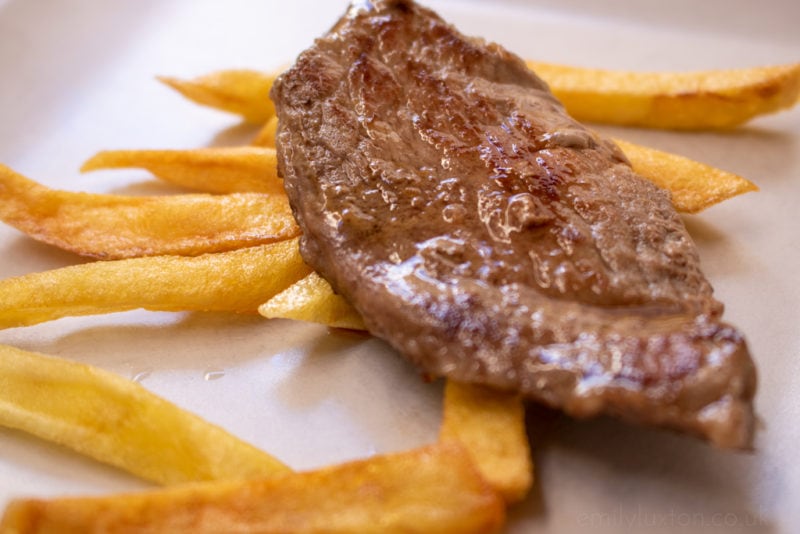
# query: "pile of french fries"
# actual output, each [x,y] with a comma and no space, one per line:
[232,246]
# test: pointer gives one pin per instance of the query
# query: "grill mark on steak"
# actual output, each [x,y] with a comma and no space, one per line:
[492,239]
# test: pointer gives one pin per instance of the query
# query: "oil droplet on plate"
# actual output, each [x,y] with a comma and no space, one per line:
[213,374]
[139,376]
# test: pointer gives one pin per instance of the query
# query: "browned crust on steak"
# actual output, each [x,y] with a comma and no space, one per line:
[492,239]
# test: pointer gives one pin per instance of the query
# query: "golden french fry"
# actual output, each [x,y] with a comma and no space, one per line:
[266,136]
[673,100]
[113,226]
[212,170]
[118,422]
[312,299]
[433,489]
[491,425]
[694,186]
[236,281]
[243,92]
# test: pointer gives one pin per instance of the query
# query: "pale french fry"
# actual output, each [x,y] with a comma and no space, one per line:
[491,425]
[673,100]
[114,226]
[243,92]
[118,422]
[211,170]
[312,299]
[237,281]
[433,489]
[694,186]
[266,136]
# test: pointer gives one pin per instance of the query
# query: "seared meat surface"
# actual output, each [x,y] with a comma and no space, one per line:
[492,239]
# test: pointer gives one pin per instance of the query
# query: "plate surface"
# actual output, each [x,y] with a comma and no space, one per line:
[79,77]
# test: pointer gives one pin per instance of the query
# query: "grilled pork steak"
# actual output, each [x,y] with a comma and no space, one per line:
[492,239]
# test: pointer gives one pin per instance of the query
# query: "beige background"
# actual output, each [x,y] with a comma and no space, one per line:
[78,77]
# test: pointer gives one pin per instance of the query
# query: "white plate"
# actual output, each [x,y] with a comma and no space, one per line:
[78,77]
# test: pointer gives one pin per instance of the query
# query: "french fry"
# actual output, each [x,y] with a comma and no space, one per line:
[673,100]
[491,425]
[237,281]
[694,186]
[433,489]
[118,422]
[211,170]
[312,299]
[266,136]
[243,92]
[113,226]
